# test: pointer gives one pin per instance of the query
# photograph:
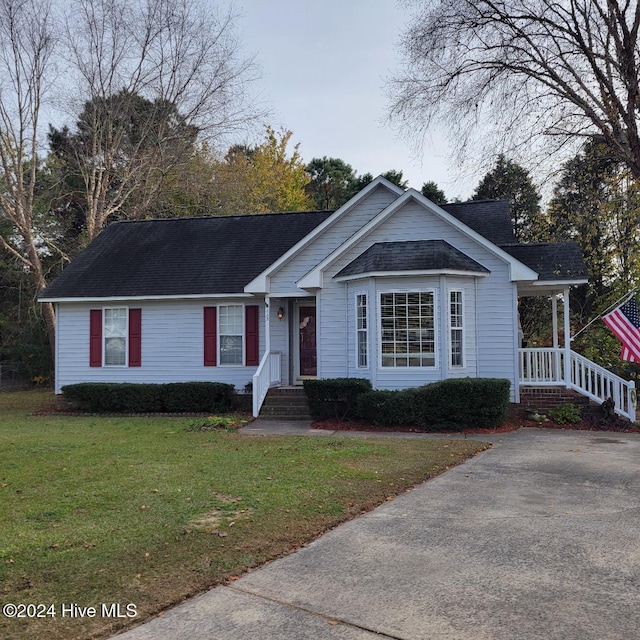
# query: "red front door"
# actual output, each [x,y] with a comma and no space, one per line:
[308,355]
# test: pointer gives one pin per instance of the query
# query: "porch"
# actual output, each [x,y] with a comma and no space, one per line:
[560,366]
[549,367]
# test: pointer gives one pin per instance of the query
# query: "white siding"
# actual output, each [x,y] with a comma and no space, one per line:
[490,311]
[283,282]
[172,345]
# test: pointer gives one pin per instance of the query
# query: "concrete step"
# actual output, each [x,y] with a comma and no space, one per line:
[286,403]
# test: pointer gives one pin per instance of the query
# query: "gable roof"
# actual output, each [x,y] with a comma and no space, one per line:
[518,270]
[181,256]
[412,255]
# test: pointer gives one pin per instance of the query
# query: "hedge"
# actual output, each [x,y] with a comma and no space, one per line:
[453,404]
[392,408]
[334,398]
[459,403]
[177,397]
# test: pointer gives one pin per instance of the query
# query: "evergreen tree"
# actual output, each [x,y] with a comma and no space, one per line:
[433,192]
[509,181]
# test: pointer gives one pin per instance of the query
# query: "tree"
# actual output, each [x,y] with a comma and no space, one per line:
[138,143]
[526,68]
[179,56]
[433,192]
[262,179]
[596,204]
[26,47]
[157,74]
[509,181]
[332,182]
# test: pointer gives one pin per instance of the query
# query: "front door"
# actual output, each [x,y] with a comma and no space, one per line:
[307,338]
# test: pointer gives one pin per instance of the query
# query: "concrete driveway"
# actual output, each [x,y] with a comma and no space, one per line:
[538,537]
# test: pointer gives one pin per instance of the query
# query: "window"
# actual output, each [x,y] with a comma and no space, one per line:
[231,329]
[115,337]
[455,329]
[361,331]
[407,329]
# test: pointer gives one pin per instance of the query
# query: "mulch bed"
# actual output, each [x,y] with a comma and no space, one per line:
[592,420]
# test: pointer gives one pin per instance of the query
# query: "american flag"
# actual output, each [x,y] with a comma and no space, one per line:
[624,321]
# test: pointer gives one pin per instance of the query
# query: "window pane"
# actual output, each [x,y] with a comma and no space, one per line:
[230,349]
[230,326]
[114,351]
[115,336]
[407,328]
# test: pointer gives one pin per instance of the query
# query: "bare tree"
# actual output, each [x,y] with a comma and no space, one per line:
[521,69]
[183,59]
[143,78]
[26,47]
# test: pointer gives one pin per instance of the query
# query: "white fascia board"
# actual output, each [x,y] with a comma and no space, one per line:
[417,272]
[260,284]
[559,283]
[214,296]
[518,271]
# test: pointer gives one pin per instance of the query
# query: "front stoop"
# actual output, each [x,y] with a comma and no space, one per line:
[286,403]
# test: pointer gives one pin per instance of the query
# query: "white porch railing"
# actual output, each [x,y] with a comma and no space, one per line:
[547,367]
[267,375]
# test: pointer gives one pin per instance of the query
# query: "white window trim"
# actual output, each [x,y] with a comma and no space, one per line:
[358,294]
[126,338]
[436,337]
[450,329]
[243,335]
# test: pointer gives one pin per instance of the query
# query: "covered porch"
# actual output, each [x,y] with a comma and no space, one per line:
[559,365]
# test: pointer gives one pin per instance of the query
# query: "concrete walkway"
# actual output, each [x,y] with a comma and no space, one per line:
[537,538]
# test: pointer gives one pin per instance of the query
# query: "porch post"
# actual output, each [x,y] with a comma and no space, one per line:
[554,319]
[267,324]
[567,338]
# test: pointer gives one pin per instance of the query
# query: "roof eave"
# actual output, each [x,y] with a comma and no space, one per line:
[412,272]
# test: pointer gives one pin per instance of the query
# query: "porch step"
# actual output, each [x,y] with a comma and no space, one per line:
[285,403]
[550,397]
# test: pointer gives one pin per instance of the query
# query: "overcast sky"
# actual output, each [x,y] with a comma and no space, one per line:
[324,66]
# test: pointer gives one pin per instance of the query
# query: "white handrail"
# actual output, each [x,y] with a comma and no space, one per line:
[598,384]
[267,375]
[546,366]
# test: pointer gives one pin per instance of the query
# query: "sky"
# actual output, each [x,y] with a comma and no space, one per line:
[324,66]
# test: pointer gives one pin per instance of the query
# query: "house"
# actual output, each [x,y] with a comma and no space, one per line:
[390,287]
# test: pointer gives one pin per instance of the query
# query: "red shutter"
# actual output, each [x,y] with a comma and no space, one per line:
[95,338]
[251,316]
[135,337]
[210,341]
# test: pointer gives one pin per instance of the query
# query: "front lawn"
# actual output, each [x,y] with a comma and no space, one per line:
[146,511]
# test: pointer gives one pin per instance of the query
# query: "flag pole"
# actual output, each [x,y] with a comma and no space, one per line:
[619,301]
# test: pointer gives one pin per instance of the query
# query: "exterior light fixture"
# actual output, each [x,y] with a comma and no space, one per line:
[280,313]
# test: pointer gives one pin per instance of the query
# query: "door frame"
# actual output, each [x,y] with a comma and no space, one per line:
[298,379]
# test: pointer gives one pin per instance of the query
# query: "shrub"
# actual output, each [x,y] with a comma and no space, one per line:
[334,398]
[459,403]
[565,414]
[191,397]
[388,407]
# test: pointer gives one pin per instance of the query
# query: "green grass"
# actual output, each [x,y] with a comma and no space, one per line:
[148,511]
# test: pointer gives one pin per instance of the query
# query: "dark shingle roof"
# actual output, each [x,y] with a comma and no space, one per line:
[414,255]
[552,261]
[182,256]
[489,218]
